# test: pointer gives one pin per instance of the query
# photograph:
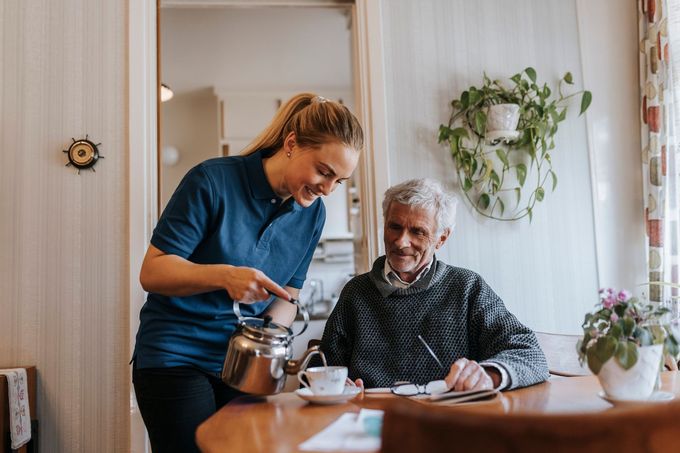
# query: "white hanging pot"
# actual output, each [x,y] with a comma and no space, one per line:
[635,383]
[501,122]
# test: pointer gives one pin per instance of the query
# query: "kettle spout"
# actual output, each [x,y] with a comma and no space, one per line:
[294,366]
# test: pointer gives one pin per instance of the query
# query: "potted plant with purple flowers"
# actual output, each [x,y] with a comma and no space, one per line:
[624,343]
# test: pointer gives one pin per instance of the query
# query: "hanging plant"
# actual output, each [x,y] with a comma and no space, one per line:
[503,172]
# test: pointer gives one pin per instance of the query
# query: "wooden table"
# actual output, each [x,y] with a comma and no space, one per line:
[282,422]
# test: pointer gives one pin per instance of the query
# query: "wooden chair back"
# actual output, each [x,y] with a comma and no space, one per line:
[560,352]
[415,427]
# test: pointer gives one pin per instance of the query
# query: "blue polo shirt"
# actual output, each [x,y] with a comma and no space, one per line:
[223,211]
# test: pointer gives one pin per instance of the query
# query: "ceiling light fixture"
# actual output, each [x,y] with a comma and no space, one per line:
[166,93]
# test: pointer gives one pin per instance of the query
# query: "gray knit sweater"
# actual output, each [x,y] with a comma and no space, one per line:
[374,329]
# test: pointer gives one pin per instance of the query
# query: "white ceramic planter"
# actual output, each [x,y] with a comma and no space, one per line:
[636,383]
[501,122]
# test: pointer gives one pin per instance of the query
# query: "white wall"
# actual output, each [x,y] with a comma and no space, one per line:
[255,48]
[63,236]
[546,271]
[191,124]
[64,254]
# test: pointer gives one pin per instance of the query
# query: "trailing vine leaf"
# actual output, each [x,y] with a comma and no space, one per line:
[521,173]
[480,122]
[540,193]
[489,167]
[503,157]
[501,204]
[531,72]
[554,180]
[484,201]
[586,99]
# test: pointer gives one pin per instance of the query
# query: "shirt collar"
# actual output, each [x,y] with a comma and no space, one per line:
[257,180]
[393,278]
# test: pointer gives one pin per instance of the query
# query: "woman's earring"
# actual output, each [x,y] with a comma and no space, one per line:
[288,154]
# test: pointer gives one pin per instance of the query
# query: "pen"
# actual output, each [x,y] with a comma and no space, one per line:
[429,349]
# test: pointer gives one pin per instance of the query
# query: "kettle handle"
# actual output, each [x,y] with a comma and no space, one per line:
[301,309]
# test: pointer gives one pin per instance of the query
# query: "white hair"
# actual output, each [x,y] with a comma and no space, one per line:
[424,193]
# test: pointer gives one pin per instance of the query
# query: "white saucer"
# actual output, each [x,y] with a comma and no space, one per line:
[350,392]
[656,397]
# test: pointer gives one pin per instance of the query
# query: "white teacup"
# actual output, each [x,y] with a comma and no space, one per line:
[324,380]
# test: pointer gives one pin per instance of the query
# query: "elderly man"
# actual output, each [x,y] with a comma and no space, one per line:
[375,327]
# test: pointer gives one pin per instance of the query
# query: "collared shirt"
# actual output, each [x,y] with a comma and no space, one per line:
[223,212]
[393,278]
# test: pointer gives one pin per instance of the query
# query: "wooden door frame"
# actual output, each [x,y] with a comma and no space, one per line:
[143,161]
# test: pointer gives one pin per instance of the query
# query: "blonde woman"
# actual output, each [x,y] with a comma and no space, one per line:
[237,228]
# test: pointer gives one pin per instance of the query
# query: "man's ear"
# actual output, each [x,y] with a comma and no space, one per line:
[442,238]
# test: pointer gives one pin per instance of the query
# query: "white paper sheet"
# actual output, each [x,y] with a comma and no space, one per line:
[345,433]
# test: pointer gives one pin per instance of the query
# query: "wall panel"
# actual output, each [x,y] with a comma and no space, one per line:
[63,258]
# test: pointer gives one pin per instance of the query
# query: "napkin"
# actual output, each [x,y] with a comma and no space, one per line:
[19,413]
[350,432]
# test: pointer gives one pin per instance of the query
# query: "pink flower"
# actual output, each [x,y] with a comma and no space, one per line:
[623,295]
[609,301]
[614,317]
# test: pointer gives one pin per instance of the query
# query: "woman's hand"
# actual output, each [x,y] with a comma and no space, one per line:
[248,285]
[172,275]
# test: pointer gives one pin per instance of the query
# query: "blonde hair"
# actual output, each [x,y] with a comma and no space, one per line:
[315,121]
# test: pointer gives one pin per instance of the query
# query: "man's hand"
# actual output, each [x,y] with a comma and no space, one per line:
[468,375]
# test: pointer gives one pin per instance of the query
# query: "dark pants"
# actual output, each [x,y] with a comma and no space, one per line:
[174,401]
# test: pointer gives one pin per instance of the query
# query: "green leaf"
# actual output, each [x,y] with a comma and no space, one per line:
[605,347]
[616,330]
[518,192]
[531,72]
[586,99]
[475,97]
[628,326]
[594,363]
[554,180]
[454,147]
[501,204]
[546,91]
[626,354]
[465,100]
[444,133]
[521,173]
[530,214]
[563,114]
[459,132]
[480,122]
[568,78]
[483,201]
[503,157]
[496,182]
[467,185]
[516,78]
[540,193]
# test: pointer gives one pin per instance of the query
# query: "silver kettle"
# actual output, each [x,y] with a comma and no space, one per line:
[260,354]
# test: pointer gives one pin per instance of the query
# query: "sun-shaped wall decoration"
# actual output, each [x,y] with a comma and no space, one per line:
[83,153]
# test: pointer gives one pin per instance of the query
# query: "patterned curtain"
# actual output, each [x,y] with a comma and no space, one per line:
[657,88]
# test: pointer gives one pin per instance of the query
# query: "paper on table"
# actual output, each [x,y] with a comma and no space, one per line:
[453,397]
[345,433]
